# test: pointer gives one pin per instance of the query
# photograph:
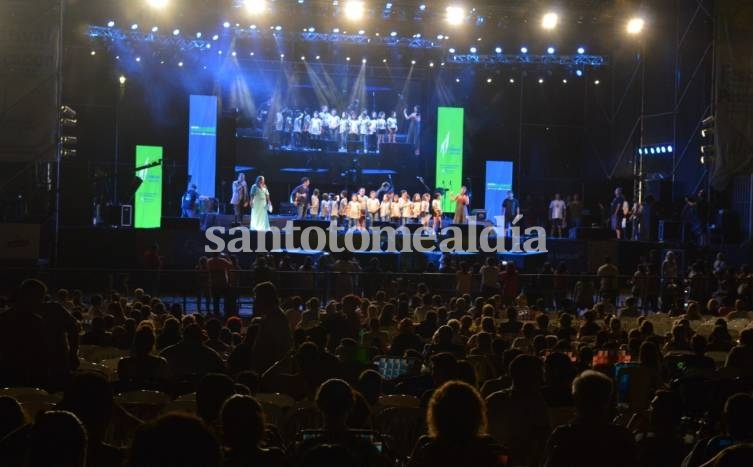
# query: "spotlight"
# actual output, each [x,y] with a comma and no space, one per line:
[473,50]
[412,62]
[233,54]
[354,10]
[564,80]
[134,27]
[347,59]
[155,29]
[226,24]
[541,80]
[93,53]
[581,50]
[278,28]
[431,64]
[635,25]
[440,37]
[361,32]
[363,61]
[441,64]
[669,148]
[198,35]
[282,56]
[384,60]
[457,80]
[452,50]
[336,30]
[317,57]
[138,59]
[524,50]
[422,7]
[215,37]
[455,15]
[498,50]
[488,80]
[255,7]
[578,73]
[652,151]
[597,82]
[157,3]
[550,50]
[663,149]
[549,20]
[219,52]
[512,80]
[111,24]
[393,34]
[303,58]
[180,64]
[176,32]
[122,79]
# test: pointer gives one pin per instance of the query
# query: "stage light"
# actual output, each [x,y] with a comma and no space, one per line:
[640,151]
[663,149]
[549,20]
[255,7]
[198,35]
[635,25]
[251,54]
[455,15]
[524,50]
[441,64]
[550,50]
[457,80]
[159,4]
[498,50]
[541,80]
[111,24]
[354,10]
[219,52]
[412,62]
[209,46]
[134,27]
[138,59]
[278,28]
[180,64]
[452,50]
[176,32]
[361,32]
[161,62]
[234,53]
[282,56]
[155,29]
[388,6]
[253,27]
[488,80]
[303,58]
[93,53]
[512,80]
[393,34]
[422,7]
[652,150]
[384,60]
[336,30]
[347,59]
[215,37]
[564,80]
[122,79]
[440,37]
[578,73]
[117,57]
[431,64]
[473,50]
[581,50]
[597,82]
[363,61]
[226,24]
[312,29]
[669,148]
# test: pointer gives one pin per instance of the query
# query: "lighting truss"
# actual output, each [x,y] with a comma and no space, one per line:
[529,59]
[412,42]
[119,35]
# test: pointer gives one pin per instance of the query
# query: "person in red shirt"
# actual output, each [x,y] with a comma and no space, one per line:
[509,279]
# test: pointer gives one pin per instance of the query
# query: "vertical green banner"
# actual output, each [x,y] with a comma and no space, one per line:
[449,153]
[148,199]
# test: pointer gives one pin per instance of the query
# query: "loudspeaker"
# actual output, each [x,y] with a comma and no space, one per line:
[75,194]
[180,223]
[590,233]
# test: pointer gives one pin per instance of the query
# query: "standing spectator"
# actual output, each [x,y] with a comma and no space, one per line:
[509,279]
[608,280]
[273,340]
[489,277]
[557,212]
[219,268]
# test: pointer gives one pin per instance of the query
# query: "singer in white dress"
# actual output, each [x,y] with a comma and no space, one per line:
[261,205]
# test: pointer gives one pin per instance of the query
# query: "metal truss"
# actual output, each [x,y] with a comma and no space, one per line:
[389,41]
[119,35]
[528,59]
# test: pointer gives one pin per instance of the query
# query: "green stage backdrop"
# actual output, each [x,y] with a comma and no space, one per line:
[148,200]
[449,153]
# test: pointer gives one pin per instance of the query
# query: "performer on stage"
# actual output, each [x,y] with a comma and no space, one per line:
[510,209]
[616,212]
[188,205]
[300,197]
[461,206]
[436,212]
[239,199]
[392,127]
[414,128]
[261,205]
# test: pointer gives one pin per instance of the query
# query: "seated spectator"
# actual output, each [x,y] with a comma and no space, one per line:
[212,391]
[591,439]
[214,329]
[335,401]
[242,422]
[737,421]
[559,373]
[58,438]
[542,324]
[98,334]
[444,367]
[175,440]
[141,369]
[444,341]
[375,337]
[240,358]
[405,339]
[170,334]
[512,326]
[651,358]
[662,443]
[456,419]
[589,328]
[733,456]
[630,310]
[566,330]
[699,360]
[190,357]
[741,356]
[503,381]
[370,384]
[518,415]
[12,416]
[89,397]
[428,326]
[739,311]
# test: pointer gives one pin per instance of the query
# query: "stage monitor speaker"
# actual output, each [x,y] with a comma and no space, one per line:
[181,223]
[306,223]
[480,214]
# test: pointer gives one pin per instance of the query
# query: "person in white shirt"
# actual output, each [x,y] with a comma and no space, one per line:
[314,208]
[425,206]
[405,206]
[436,212]
[325,212]
[334,126]
[557,210]
[354,212]
[316,129]
[372,209]
[297,130]
[344,208]
[334,208]
[353,131]
[392,127]
[279,126]
[395,209]
[384,208]
[363,130]
[344,127]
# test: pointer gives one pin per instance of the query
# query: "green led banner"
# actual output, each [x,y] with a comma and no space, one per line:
[449,153]
[148,199]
